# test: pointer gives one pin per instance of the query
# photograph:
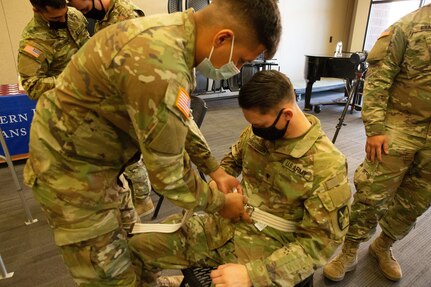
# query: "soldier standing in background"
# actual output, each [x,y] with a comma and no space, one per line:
[292,172]
[47,44]
[127,90]
[394,182]
[106,13]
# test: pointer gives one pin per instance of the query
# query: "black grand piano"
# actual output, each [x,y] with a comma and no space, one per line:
[317,66]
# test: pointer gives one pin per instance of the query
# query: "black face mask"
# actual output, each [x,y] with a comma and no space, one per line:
[96,14]
[271,133]
[57,25]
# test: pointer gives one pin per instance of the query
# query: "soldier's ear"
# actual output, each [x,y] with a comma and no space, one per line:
[221,37]
[288,113]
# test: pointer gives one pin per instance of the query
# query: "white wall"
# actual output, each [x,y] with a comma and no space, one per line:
[14,15]
[359,24]
[152,6]
[307,28]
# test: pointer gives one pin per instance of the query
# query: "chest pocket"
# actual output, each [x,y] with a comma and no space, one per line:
[418,52]
[255,159]
[293,180]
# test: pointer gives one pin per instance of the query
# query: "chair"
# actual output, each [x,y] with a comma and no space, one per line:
[199,109]
[174,6]
[197,4]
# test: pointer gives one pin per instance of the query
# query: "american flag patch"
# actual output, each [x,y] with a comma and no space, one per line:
[385,33]
[183,102]
[32,51]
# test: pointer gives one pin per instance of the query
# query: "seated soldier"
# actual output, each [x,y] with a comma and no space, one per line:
[298,194]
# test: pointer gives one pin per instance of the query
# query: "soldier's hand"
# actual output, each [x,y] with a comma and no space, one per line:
[231,275]
[375,146]
[225,182]
[233,206]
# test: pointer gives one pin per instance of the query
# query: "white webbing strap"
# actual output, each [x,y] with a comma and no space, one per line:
[160,227]
[271,220]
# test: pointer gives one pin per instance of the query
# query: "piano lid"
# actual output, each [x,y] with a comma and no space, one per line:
[317,66]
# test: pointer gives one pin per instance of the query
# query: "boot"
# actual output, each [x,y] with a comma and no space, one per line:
[346,261]
[144,206]
[169,281]
[382,251]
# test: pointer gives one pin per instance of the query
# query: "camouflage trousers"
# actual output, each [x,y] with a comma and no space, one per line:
[394,192]
[187,247]
[92,241]
[140,184]
[101,261]
[208,241]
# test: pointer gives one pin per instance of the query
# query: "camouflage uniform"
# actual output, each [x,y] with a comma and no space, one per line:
[45,52]
[136,173]
[118,10]
[123,91]
[397,103]
[302,180]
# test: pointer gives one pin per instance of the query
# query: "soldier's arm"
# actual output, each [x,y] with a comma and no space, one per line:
[384,61]
[232,162]
[33,68]
[322,229]
[199,151]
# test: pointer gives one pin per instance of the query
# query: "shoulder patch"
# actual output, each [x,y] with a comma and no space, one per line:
[32,51]
[183,102]
[384,33]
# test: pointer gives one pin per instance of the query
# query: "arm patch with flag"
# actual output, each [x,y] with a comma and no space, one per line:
[183,102]
[32,51]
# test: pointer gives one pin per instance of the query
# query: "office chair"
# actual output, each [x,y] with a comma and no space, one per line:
[196,4]
[175,6]
[199,109]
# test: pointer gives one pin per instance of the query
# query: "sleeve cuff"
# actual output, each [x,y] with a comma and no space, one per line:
[210,165]
[216,200]
[375,129]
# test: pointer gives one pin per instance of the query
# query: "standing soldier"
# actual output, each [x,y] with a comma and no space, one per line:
[108,12]
[48,42]
[298,194]
[127,90]
[394,181]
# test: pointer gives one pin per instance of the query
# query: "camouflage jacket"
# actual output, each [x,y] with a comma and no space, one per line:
[125,90]
[302,180]
[118,10]
[397,89]
[45,52]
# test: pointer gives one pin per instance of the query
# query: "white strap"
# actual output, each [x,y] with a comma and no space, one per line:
[160,227]
[272,220]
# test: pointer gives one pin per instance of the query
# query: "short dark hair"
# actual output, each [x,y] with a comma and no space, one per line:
[263,16]
[265,91]
[42,4]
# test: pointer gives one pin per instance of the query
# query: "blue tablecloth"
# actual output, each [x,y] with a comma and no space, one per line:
[16,114]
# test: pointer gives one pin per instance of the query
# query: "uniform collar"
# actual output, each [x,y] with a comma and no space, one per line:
[298,147]
[39,21]
[108,12]
[190,29]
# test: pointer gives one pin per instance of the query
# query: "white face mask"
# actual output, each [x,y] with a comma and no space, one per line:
[226,71]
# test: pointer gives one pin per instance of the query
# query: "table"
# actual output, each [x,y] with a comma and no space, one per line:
[16,114]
